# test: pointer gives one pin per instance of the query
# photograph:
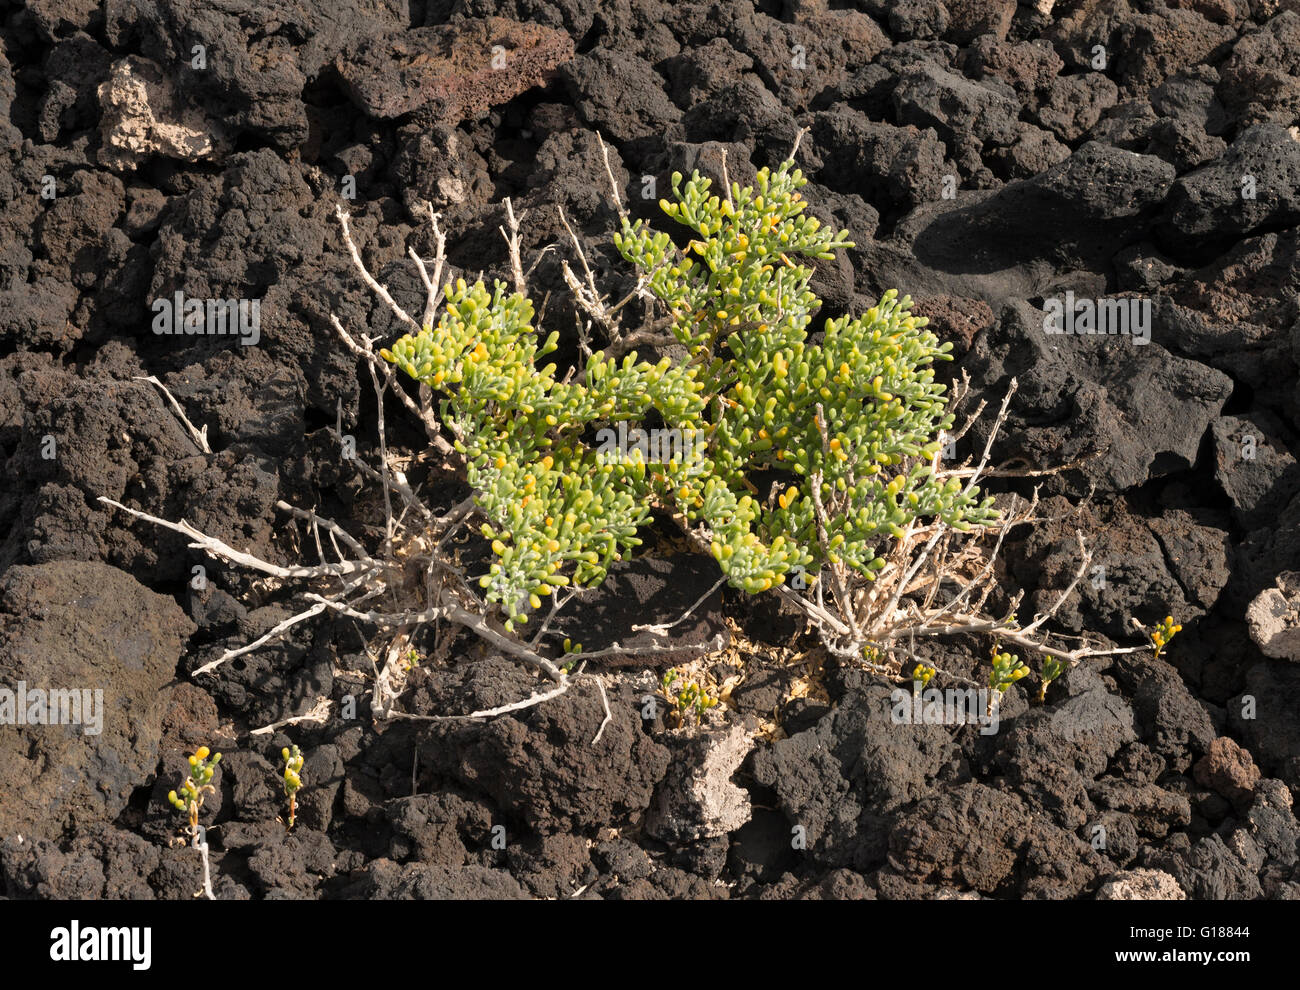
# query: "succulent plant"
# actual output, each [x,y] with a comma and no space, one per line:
[189,797]
[1051,670]
[1007,669]
[858,413]
[293,761]
[1163,633]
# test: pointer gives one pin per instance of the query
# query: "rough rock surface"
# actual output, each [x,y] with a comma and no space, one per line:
[696,799]
[1141,885]
[87,628]
[455,71]
[143,116]
[1274,618]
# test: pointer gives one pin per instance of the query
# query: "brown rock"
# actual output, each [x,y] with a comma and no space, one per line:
[955,319]
[1228,770]
[85,651]
[456,70]
[972,18]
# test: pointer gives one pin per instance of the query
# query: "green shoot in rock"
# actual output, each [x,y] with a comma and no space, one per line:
[292,779]
[199,783]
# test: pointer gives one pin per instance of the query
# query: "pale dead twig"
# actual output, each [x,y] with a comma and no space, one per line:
[198,839]
[604,700]
[432,283]
[663,627]
[587,296]
[223,550]
[374,284]
[512,246]
[718,642]
[383,459]
[278,630]
[199,436]
[423,415]
[332,527]
[318,714]
[609,172]
[536,698]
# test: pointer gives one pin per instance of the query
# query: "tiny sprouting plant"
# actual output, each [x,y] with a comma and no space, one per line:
[1052,669]
[292,758]
[1007,669]
[687,696]
[1163,633]
[922,675]
[572,652]
[189,799]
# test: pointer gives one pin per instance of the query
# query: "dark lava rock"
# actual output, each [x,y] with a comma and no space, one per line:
[1027,66]
[1050,753]
[1141,568]
[84,627]
[1261,78]
[648,591]
[1254,466]
[442,828]
[819,51]
[1152,809]
[837,885]
[875,160]
[101,862]
[1227,314]
[1025,238]
[1074,104]
[927,96]
[384,880]
[1207,870]
[838,778]
[1254,185]
[455,71]
[620,95]
[1170,719]
[971,835]
[541,765]
[1263,717]
[972,19]
[552,866]
[1104,388]
[245,72]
